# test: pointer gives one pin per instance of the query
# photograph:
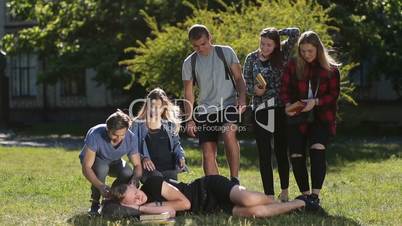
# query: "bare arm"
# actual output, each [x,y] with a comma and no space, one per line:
[240,84]
[189,96]
[136,161]
[174,198]
[188,106]
[151,208]
[89,159]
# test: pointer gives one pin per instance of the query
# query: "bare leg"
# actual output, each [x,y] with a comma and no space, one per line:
[267,210]
[232,149]
[241,197]
[284,194]
[316,191]
[209,153]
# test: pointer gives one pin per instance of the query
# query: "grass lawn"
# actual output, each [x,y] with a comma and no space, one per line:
[44,186]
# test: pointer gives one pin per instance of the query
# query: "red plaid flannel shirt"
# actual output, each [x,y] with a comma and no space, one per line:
[294,89]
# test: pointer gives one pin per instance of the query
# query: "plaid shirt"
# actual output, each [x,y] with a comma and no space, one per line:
[294,89]
[271,74]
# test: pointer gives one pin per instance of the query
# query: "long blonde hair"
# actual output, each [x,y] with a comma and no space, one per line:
[324,59]
[170,111]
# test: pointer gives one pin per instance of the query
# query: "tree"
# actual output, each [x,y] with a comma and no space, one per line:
[370,33]
[71,35]
[158,60]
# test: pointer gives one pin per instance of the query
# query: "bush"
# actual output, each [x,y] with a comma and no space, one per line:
[159,59]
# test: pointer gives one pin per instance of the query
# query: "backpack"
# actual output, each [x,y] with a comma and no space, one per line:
[228,71]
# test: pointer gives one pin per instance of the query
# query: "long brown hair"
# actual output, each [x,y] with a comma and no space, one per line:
[170,111]
[276,55]
[324,59]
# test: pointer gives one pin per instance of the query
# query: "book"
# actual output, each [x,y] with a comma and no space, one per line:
[261,81]
[153,217]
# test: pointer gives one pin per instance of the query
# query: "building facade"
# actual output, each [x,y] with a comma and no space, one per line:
[78,98]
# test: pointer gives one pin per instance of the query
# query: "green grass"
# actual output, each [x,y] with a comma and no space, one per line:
[363,187]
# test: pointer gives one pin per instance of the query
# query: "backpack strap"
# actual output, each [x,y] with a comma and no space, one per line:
[228,71]
[193,59]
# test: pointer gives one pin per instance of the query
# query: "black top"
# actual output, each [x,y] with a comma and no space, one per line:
[265,63]
[206,194]
[159,149]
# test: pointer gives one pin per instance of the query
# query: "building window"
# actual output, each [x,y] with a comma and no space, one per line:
[74,85]
[23,73]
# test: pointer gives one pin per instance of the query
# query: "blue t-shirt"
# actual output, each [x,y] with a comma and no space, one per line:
[98,141]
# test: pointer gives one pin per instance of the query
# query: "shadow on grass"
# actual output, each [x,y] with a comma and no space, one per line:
[373,149]
[342,150]
[297,218]
[83,219]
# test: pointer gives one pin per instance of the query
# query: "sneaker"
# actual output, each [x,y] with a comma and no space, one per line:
[235,180]
[314,198]
[310,206]
[94,210]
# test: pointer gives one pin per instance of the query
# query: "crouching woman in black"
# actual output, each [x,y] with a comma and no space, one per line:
[207,194]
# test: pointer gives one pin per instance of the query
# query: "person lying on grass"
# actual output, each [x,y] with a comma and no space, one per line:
[207,194]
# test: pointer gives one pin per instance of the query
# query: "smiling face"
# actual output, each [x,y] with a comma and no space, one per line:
[116,136]
[267,46]
[308,52]
[202,45]
[134,196]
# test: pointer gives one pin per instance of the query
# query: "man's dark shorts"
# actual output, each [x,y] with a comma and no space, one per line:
[210,126]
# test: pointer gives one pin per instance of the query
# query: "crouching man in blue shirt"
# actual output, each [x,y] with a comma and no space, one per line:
[104,146]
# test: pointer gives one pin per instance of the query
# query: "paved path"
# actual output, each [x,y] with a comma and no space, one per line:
[9,138]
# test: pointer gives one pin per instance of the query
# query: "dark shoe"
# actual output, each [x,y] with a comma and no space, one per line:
[310,205]
[314,198]
[235,180]
[94,210]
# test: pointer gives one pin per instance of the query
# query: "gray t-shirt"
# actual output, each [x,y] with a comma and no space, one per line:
[216,92]
[98,141]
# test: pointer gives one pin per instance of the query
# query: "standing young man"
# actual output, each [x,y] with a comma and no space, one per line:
[105,144]
[217,72]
